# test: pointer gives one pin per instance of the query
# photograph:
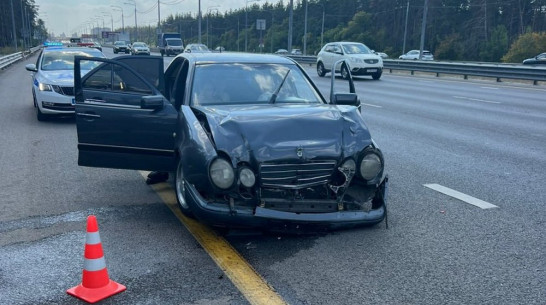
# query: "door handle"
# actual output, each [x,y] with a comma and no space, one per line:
[88,115]
[94,100]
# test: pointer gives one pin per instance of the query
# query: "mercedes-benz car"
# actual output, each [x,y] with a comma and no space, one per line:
[359,60]
[53,79]
[249,138]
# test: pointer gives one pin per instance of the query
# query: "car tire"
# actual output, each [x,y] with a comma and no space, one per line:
[344,72]
[180,190]
[40,116]
[377,75]
[320,69]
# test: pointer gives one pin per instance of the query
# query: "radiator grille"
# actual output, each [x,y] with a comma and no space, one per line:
[296,175]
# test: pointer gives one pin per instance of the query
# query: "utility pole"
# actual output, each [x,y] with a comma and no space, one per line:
[290,18]
[405,29]
[23,24]
[199,24]
[13,24]
[423,26]
[305,31]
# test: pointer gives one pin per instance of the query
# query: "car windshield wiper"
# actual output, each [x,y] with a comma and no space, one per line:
[276,93]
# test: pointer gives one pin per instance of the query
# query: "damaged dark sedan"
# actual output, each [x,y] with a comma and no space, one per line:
[249,138]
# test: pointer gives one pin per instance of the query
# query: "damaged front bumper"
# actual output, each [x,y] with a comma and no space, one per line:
[222,215]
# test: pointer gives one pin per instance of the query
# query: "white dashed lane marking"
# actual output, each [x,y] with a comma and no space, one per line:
[461,196]
[475,100]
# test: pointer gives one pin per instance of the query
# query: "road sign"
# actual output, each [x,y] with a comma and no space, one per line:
[260,24]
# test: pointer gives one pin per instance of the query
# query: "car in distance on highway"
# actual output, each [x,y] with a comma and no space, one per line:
[140,48]
[414,55]
[296,52]
[196,48]
[540,59]
[281,51]
[53,79]
[121,46]
[360,60]
[250,138]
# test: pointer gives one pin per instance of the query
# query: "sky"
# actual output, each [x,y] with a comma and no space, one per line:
[70,16]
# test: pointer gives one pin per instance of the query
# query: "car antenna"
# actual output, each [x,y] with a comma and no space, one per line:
[274,96]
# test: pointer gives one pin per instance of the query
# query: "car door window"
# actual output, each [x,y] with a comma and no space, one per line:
[126,81]
[101,79]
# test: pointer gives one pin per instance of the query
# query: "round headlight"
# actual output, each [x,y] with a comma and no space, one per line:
[370,166]
[221,173]
[247,177]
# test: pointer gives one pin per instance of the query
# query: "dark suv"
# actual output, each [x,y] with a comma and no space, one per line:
[121,46]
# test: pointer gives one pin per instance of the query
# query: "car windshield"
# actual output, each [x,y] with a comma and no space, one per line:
[119,43]
[356,48]
[64,60]
[174,42]
[137,44]
[225,84]
[199,47]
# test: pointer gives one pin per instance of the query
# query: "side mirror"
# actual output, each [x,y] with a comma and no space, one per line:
[31,68]
[336,97]
[350,99]
[151,102]
[188,51]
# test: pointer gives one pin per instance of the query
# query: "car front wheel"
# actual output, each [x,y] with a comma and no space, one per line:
[320,69]
[376,75]
[180,185]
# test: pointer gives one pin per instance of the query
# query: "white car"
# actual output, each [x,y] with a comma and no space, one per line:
[414,54]
[360,60]
[53,79]
[140,48]
[196,48]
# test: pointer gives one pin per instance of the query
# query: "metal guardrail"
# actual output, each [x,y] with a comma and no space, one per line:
[12,58]
[497,71]
[9,59]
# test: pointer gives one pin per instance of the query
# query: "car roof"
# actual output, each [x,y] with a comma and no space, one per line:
[71,49]
[232,57]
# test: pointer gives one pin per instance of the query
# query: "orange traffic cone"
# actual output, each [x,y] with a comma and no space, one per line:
[95,285]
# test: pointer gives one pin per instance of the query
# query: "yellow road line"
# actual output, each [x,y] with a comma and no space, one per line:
[255,289]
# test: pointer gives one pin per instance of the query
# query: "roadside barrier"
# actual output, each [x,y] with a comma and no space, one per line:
[12,58]
[96,285]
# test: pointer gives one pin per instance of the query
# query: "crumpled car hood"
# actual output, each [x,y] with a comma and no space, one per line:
[279,132]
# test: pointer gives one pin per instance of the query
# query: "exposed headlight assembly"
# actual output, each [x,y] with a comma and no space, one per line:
[221,173]
[371,165]
[247,177]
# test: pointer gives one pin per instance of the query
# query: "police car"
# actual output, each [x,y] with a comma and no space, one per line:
[53,79]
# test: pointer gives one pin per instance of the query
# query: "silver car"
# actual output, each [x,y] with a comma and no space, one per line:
[414,54]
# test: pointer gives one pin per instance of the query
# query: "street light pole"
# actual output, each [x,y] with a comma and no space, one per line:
[305,31]
[405,29]
[209,10]
[290,18]
[246,23]
[122,22]
[136,27]
[423,26]
[199,24]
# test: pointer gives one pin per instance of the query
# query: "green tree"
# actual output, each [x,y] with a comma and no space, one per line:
[527,45]
[496,47]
